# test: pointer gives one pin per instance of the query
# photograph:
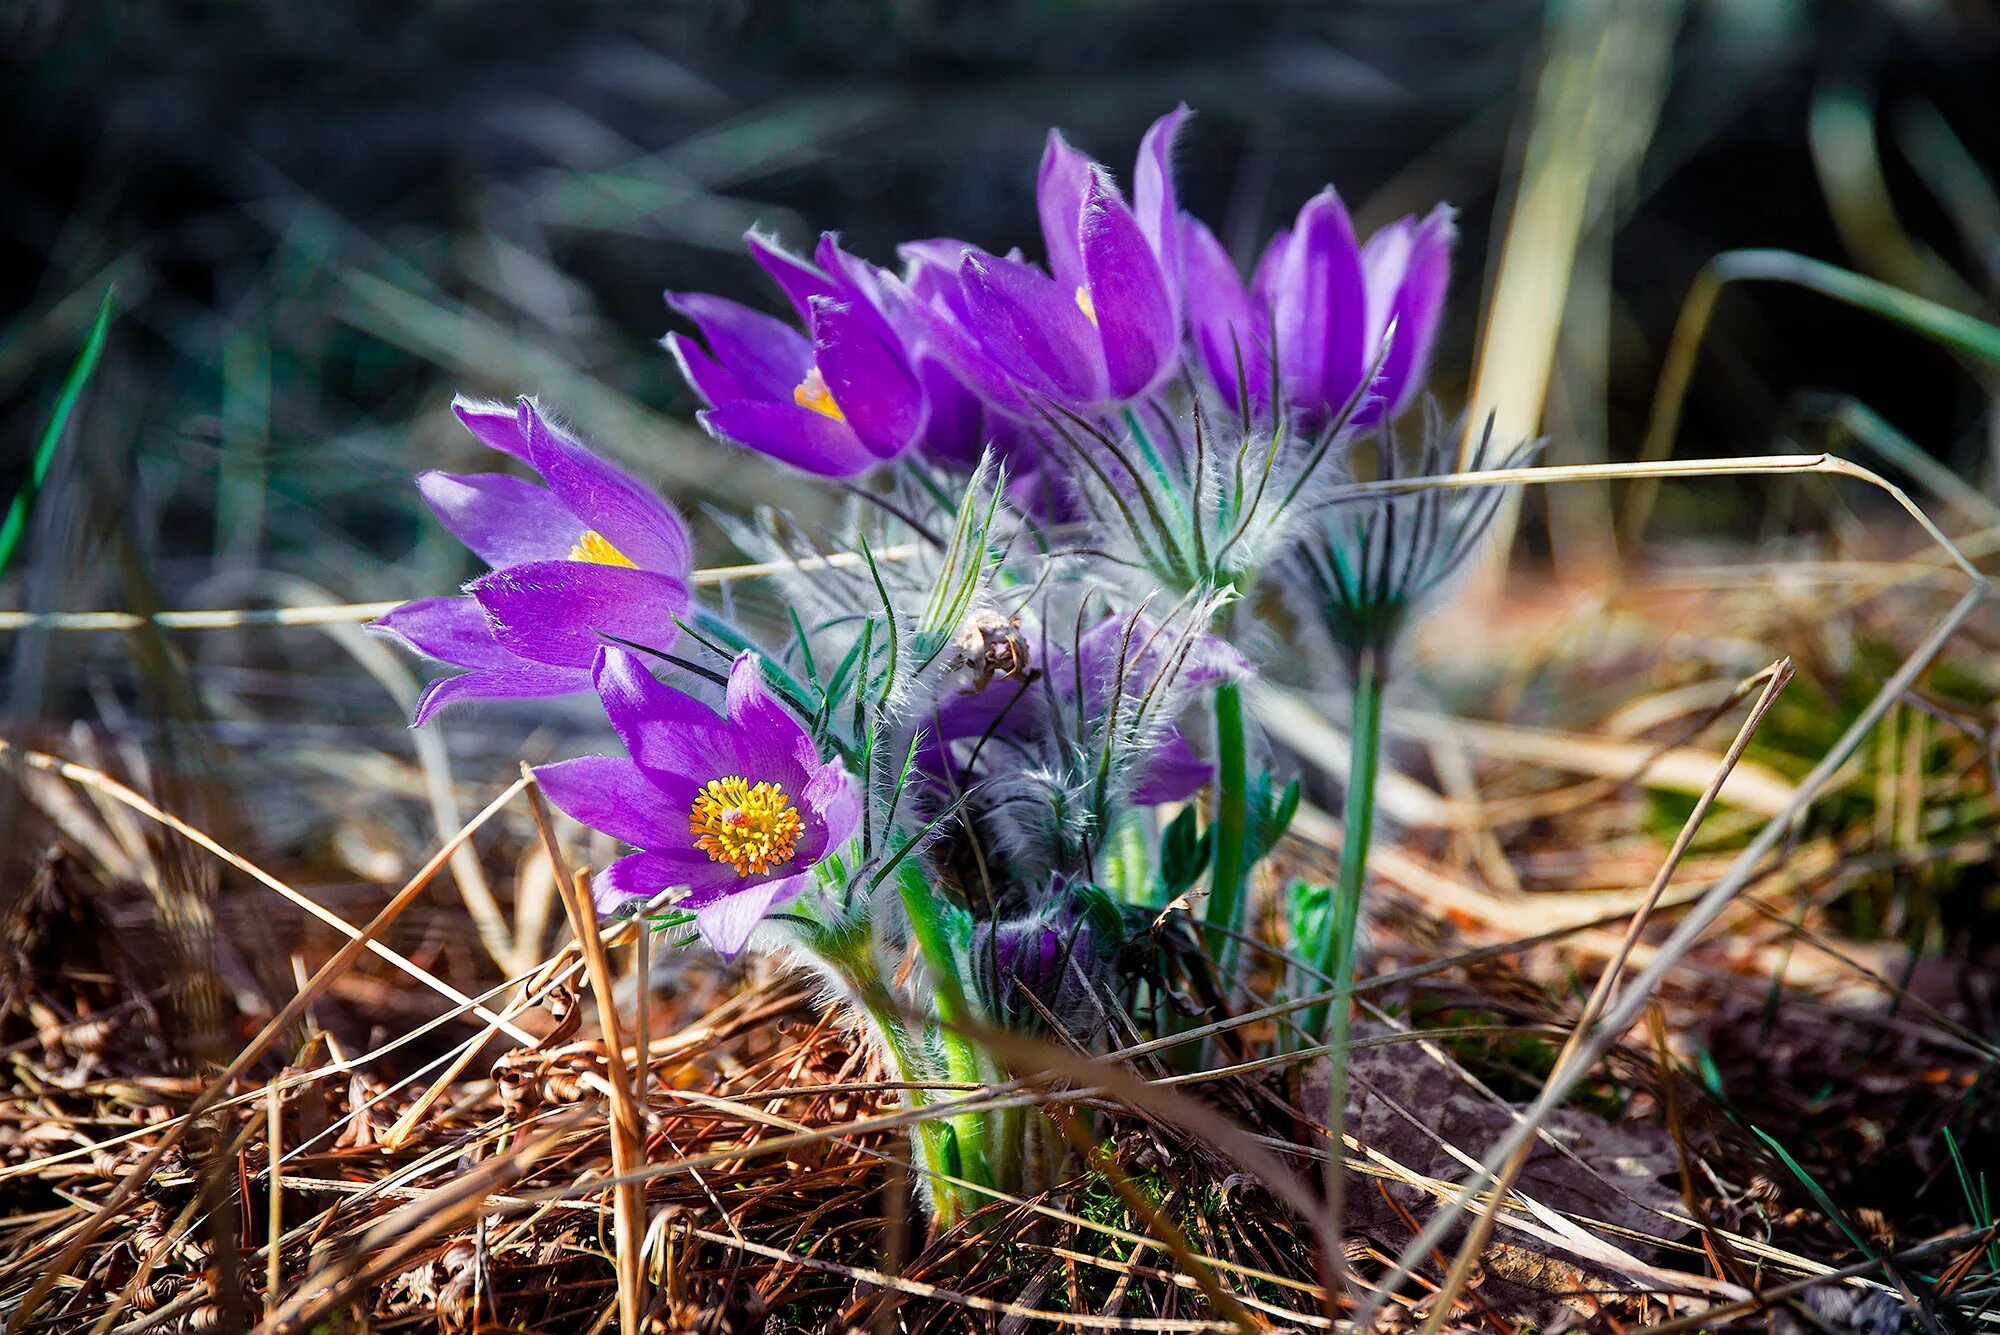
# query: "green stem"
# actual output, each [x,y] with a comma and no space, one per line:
[1334,951]
[933,1140]
[962,1059]
[1232,795]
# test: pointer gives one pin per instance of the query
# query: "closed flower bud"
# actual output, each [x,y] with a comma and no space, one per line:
[1059,956]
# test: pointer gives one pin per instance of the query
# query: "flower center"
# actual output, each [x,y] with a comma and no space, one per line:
[752,827]
[1086,305]
[595,548]
[812,393]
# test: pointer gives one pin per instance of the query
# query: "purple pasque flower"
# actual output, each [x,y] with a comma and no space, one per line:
[1060,954]
[837,399]
[1329,302]
[1015,717]
[1102,325]
[593,552]
[736,809]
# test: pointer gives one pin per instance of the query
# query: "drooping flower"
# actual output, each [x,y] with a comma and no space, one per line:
[838,399]
[736,809]
[1060,955]
[1329,303]
[1101,326]
[1130,673]
[593,552]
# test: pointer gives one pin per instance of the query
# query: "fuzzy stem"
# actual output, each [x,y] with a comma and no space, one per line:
[962,1059]
[935,1141]
[1232,796]
[843,949]
[1335,950]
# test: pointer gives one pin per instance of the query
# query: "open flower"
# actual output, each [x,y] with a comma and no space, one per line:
[1102,326]
[736,809]
[836,400]
[1330,304]
[592,553]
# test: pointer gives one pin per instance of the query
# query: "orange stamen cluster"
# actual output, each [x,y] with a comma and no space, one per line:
[812,393]
[752,827]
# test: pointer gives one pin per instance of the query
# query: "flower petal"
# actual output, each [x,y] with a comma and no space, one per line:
[834,799]
[1229,336]
[668,733]
[1407,268]
[727,921]
[502,519]
[1033,328]
[800,280]
[451,630]
[868,376]
[612,794]
[767,356]
[497,425]
[1172,772]
[518,681]
[793,435]
[1060,189]
[634,878]
[1154,202]
[557,611]
[704,375]
[766,732]
[608,500]
[1321,310]
[955,428]
[933,303]
[1128,294]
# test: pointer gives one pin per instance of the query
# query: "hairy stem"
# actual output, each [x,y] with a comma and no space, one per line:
[1224,912]
[963,1061]
[1334,951]
[934,1142]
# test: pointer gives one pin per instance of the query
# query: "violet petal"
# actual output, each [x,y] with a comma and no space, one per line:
[502,519]
[558,612]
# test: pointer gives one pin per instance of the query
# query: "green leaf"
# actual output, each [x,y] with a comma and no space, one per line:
[14,527]
[1185,849]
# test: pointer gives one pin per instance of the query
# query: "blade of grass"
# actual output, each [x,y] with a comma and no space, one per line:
[14,528]
[627,1134]
[1964,334]
[1474,1246]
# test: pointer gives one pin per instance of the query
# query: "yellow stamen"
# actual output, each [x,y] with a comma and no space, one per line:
[595,548]
[1086,305]
[753,828]
[812,393]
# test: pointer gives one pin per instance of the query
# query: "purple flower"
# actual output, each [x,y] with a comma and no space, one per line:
[594,552]
[838,399]
[735,809]
[1330,303]
[1102,326]
[1060,955]
[1015,714]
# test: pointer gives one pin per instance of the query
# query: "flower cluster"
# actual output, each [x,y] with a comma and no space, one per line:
[999,728]
[1081,362]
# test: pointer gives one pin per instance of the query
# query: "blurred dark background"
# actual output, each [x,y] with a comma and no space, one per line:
[324,220]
